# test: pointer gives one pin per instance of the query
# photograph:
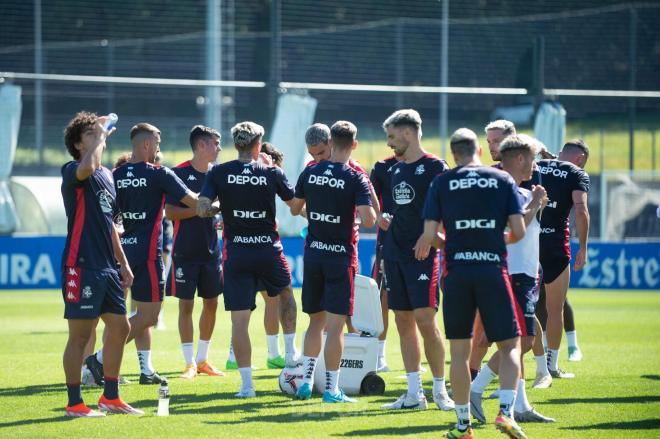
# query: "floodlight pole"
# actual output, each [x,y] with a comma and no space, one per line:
[444,74]
[38,84]
[214,63]
[275,55]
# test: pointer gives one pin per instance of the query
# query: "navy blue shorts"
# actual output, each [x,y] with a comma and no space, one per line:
[89,293]
[412,284]
[328,287]
[184,277]
[486,287]
[148,282]
[526,291]
[554,259]
[248,270]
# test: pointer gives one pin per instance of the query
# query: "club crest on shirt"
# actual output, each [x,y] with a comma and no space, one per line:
[419,170]
[403,193]
[105,201]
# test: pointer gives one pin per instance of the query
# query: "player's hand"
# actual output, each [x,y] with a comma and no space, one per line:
[98,128]
[265,159]
[384,221]
[580,259]
[422,247]
[126,276]
[545,154]
[539,196]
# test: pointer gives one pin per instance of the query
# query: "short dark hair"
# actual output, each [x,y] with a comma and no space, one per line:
[202,132]
[273,152]
[74,130]
[578,144]
[143,127]
[343,134]
[464,142]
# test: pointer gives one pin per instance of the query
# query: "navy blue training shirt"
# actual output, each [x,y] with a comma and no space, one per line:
[409,184]
[560,179]
[332,192]
[194,239]
[247,201]
[141,189]
[381,175]
[473,203]
[90,207]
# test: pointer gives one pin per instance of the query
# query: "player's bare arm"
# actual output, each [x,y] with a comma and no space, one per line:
[93,144]
[179,213]
[367,215]
[124,268]
[190,200]
[539,201]
[580,199]
[516,225]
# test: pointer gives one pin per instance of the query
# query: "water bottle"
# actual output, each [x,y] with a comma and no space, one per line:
[163,399]
[110,122]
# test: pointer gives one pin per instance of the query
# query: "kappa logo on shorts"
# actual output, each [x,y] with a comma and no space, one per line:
[72,283]
[87,292]
[419,170]
[423,276]
[179,273]
[73,272]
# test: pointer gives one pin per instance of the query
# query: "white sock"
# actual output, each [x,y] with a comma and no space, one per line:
[332,381]
[202,350]
[439,386]
[187,349]
[309,365]
[463,416]
[507,398]
[99,355]
[483,379]
[541,365]
[553,359]
[572,339]
[290,344]
[381,348]
[144,357]
[414,383]
[545,340]
[246,377]
[273,346]
[231,353]
[522,404]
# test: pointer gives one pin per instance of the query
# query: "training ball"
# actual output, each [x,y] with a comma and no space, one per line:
[291,379]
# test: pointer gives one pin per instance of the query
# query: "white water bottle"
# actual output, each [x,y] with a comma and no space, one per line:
[163,399]
[110,122]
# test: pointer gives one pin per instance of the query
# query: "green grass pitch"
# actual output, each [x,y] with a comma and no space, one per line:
[616,392]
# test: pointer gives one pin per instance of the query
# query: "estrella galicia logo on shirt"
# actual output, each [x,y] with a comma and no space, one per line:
[105,201]
[403,193]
